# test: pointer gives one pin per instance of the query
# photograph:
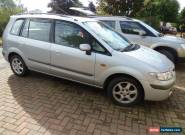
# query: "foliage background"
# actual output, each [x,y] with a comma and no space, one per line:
[8,8]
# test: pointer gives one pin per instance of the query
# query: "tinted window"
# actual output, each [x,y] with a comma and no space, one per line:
[17,26]
[110,23]
[39,29]
[70,34]
[25,29]
[131,27]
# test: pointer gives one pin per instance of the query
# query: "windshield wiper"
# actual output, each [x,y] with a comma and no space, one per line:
[128,48]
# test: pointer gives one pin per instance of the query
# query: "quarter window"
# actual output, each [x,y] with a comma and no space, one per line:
[39,29]
[17,27]
[70,34]
[131,27]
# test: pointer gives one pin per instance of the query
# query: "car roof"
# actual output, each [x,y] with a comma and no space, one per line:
[54,16]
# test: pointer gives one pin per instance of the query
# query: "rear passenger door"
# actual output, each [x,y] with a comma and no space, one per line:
[36,39]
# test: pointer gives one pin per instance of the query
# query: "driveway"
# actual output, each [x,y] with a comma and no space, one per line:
[39,104]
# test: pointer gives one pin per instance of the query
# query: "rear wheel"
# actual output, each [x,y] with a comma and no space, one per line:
[18,66]
[168,54]
[125,91]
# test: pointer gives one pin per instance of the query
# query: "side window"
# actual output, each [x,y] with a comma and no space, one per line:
[17,27]
[131,27]
[112,24]
[39,29]
[24,32]
[70,34]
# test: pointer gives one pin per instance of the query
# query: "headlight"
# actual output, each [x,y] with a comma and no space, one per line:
[163,76]
[183,46]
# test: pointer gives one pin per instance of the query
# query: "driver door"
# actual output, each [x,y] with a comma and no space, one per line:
[67,60]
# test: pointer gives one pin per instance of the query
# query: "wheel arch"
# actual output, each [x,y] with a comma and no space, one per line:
[111,77]
[170,49]
[12,54]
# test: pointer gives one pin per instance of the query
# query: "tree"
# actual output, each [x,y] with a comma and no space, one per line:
[168,10]
[7,4]
[182,15]
[121,7]
[92,7]
[155,11]
[62,6]
[7,8]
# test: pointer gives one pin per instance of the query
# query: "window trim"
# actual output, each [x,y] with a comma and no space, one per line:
[19,31]
[148,33]
[106,51]
[27,19]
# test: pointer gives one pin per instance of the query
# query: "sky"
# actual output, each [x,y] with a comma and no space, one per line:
[42,4]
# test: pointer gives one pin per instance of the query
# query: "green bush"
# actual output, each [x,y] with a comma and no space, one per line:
[5,14]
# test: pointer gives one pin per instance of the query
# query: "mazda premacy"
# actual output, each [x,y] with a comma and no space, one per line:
[87,51]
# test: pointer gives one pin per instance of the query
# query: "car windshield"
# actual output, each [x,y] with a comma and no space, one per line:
[111,37]
[151,29]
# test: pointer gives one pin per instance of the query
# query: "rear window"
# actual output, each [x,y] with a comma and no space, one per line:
[17,27]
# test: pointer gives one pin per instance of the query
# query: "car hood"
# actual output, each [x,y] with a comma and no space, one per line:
[152,58]
[173,39]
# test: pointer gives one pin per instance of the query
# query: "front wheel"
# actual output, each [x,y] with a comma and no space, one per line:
[18,66]
[125,91]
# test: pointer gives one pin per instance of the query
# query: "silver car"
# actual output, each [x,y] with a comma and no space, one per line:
[87,51]
[140,33]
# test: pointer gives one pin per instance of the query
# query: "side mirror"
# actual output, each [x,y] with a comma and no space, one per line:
[85,47]
[142,33]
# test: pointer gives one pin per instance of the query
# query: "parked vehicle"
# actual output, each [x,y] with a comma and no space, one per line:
[140,33]
[87,51]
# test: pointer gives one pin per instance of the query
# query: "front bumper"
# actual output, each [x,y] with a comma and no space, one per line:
[160,91]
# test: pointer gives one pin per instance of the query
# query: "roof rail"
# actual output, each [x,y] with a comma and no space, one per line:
[43,14]
[110,16]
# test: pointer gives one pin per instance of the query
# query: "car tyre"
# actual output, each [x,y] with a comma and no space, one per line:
[125,91]
[168,54]
[18,66]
